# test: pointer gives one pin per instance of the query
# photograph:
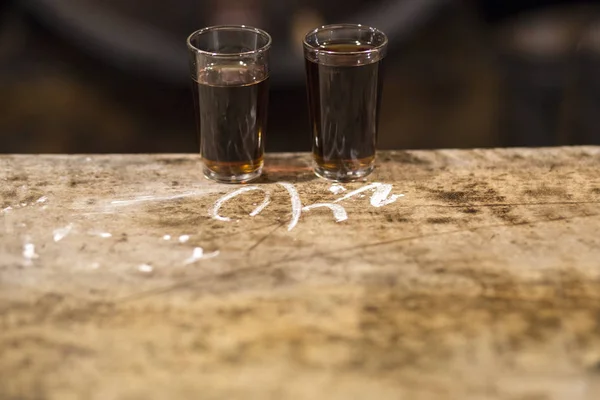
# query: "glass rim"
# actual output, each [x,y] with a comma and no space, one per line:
[244,28]
[332,27]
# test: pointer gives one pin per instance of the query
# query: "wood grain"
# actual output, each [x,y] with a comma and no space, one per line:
[481,282]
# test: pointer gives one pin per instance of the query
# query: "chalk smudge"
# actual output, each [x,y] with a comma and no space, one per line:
[145,268]
[29,253]
[148,198]
[339,213]
[198,254]
[61,233]
[104,235]
[184,238]
[337,188]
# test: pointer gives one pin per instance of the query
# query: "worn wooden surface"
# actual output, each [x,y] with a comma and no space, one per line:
[481,282]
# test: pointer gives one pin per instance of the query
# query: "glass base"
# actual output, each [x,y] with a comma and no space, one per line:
[224,178]
[344,176]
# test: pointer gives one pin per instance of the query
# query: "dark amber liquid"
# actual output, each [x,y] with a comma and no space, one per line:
[344,112]
[231,104]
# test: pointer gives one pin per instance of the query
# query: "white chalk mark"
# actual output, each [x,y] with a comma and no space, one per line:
[7,210]
[381,197]
[42,199]
[339,212]
[88,159]
[337,188]
[145,268]
[167,237]
[23,204]
[101,234]
[262,205]
[95,265]
[184,238]
[296,204]
[198,254]
[60,233]
[214,211]
[29,252]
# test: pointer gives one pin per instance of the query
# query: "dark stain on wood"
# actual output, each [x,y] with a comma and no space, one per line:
[506,215]
[176,161]
[443,220]
[470,195]
[9,196]
[547,191]
[596,367]
[19,177]
[12,197]
[405,157]
[389,217]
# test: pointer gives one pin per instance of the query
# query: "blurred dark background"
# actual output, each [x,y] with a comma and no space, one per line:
[95,76]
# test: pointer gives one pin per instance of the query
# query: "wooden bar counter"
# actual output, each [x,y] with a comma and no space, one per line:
[449,274]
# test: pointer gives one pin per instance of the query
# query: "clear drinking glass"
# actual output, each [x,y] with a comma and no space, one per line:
[344,78]
[230,72]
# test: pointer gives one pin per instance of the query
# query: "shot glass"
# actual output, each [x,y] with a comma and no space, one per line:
[230,72]
[344,79]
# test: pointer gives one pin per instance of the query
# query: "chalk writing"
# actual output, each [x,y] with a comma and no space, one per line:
[382,196]
[296,204]
[214,212]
